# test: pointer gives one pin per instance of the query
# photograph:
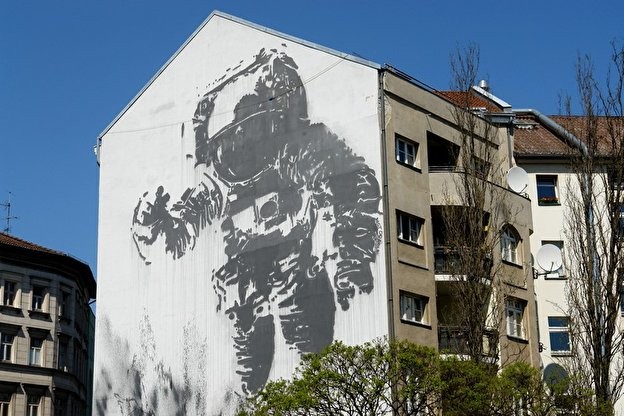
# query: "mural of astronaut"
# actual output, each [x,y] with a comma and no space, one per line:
[270,180]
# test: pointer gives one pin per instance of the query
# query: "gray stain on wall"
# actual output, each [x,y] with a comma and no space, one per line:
[140,384]
[269,178]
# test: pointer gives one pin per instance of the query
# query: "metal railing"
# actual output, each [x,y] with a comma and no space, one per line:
[454,340]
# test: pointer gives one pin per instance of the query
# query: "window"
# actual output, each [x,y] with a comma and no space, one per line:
[60,406]
[616,179]
[619,228]
[406,151]
[38,296]
[514,309]
[547,190]
[5,404]
[6,347]
[559,272]
[9,293]
[36,345]
[64,304]
[33,405]
[509,242]
[480,167]
[412,307]
[409,228]
[559,330]
[63,354]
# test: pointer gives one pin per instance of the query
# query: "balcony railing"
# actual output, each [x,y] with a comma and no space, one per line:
[442,168]
[447,260]
[454,340]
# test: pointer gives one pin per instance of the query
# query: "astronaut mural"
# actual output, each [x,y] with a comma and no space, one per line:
[269,179]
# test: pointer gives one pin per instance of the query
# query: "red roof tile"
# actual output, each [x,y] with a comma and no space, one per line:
[532,139]
[469,100]
[6,239]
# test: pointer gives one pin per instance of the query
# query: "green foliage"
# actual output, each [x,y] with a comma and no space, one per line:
[399,377]
[374,378]
[468,387]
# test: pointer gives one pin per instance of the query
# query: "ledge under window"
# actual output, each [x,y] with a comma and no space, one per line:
[511,263]
[416,323]
[517,339]
[411,243]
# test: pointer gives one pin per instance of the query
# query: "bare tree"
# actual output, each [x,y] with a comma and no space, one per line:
[474,212]
[595,232]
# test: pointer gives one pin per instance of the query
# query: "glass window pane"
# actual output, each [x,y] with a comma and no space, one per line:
[561,322]
[560,341]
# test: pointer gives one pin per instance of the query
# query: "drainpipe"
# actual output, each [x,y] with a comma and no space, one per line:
[386,204]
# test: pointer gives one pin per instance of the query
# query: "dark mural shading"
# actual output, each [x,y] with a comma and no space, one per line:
[122,388]
[270,176]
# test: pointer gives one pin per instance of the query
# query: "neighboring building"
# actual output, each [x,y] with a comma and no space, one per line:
[44,331]
[544,146]
[278,196]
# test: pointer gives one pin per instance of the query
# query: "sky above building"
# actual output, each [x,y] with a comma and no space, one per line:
[68,67]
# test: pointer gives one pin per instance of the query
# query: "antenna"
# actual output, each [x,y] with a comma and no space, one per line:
[9,217]
[549,258]
[517,179]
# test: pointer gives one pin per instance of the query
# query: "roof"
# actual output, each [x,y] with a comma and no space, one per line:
[6,239]
[470,100]
[16,250]
[533,139]
[238,20]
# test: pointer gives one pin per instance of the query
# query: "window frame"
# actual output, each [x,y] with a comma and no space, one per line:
[5,403]
[402,157]
[35,351]
[6,292]
[410,305]
[554,330]
[33,405]
[510,243]
[514,318]
[6,346]
[34,297]
[414,226]
[544,197]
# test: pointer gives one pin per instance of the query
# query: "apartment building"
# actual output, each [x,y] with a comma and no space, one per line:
[278,196]
[46,326]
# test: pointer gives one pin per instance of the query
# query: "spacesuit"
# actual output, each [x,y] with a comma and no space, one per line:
[270,178]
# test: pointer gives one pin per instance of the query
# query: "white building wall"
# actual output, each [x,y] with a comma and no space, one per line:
[551,224]
[240,222]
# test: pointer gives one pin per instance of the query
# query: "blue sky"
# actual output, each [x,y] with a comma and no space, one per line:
[67,67]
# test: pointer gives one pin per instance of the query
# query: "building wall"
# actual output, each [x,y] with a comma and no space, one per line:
[551,222]
[249,226]
[414,114]
[51,383]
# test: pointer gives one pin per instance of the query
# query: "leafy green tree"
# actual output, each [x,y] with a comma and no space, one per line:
[374,378]
[468,387]
[402,378]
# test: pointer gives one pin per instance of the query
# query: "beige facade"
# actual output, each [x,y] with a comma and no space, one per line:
[419,190]
[46,330]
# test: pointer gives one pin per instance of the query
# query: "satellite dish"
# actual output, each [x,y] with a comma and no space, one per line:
[549,257]
[555,375]
[517,179]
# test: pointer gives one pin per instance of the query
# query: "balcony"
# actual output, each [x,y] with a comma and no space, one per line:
[447,261]
[454,340]
[442,168]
